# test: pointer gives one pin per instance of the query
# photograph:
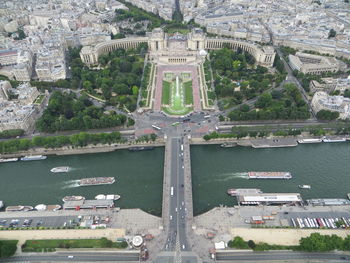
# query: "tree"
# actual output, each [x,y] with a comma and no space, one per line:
[244,108]
[8,248]
[332,33]
[251,243]
[238,242]
[327,115]
[135,90]
[264,101]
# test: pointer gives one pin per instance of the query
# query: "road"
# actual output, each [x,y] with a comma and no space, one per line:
[77,257]
[280,255]
[177,226]
[294,80]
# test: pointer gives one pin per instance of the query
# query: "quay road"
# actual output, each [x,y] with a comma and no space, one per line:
[93,256]
[281,256]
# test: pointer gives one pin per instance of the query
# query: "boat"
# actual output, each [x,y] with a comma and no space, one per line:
[8,160]
[236,192]
[228,144]
[309,140]
[334,139]
[33,157]
[73,198]
[107,197]
[96,181]
[18,208]
[100,197]
[41,207]
[60,169]
[269,175]
[141,148]
[304,186]
[53,207]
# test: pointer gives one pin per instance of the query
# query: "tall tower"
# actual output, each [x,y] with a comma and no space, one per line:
[196,39]
[157,40]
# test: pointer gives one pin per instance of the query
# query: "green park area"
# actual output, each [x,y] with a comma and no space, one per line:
[177,98]
[52,244]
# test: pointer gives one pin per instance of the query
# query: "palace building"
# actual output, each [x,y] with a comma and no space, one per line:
[164,48]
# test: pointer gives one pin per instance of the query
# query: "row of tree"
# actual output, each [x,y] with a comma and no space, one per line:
[327,115]
[7,248]
[11,133]
[313,243]
[67,112]
[77,140]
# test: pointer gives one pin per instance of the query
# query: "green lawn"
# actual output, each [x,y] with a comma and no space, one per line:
[39,245]
[166,92]
[188,92]
[39,99]
[176,98]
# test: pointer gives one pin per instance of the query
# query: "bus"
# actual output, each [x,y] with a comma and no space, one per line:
[206,116]
[172,191]
[156,127]
[175,123]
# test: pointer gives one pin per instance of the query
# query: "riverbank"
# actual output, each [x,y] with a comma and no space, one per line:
[69,150]
[268,142]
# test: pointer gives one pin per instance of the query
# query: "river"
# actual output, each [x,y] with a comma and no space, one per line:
[324,166]
[139,175]
[139,178]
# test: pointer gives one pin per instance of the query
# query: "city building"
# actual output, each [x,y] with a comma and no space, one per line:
[50,65]
[313,64]
[8,57]
[16,106]
[322,101]
[329,85]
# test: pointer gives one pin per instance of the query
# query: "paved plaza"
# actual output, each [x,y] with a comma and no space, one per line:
[161,69]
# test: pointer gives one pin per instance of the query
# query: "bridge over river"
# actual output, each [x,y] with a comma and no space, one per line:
[177,212]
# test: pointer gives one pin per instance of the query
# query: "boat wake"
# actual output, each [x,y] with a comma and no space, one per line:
[71,184]
[229,176]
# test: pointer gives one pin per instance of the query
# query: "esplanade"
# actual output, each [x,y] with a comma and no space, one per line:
[161,43]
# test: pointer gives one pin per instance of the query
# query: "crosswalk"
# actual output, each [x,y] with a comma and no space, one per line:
[178,257]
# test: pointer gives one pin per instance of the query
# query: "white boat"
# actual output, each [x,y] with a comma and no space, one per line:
[113,197]
[100,197]
[60,169]
[8,160]
[334,140]
[107,197]
[33,157]
[304,186]
[309,140]
[73,198]
[40,207]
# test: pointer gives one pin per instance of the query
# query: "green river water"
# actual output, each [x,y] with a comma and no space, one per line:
[139,175]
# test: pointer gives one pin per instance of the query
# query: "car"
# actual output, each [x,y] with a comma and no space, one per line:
[183,246]
[70,256]
[171,217]
[286,213]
